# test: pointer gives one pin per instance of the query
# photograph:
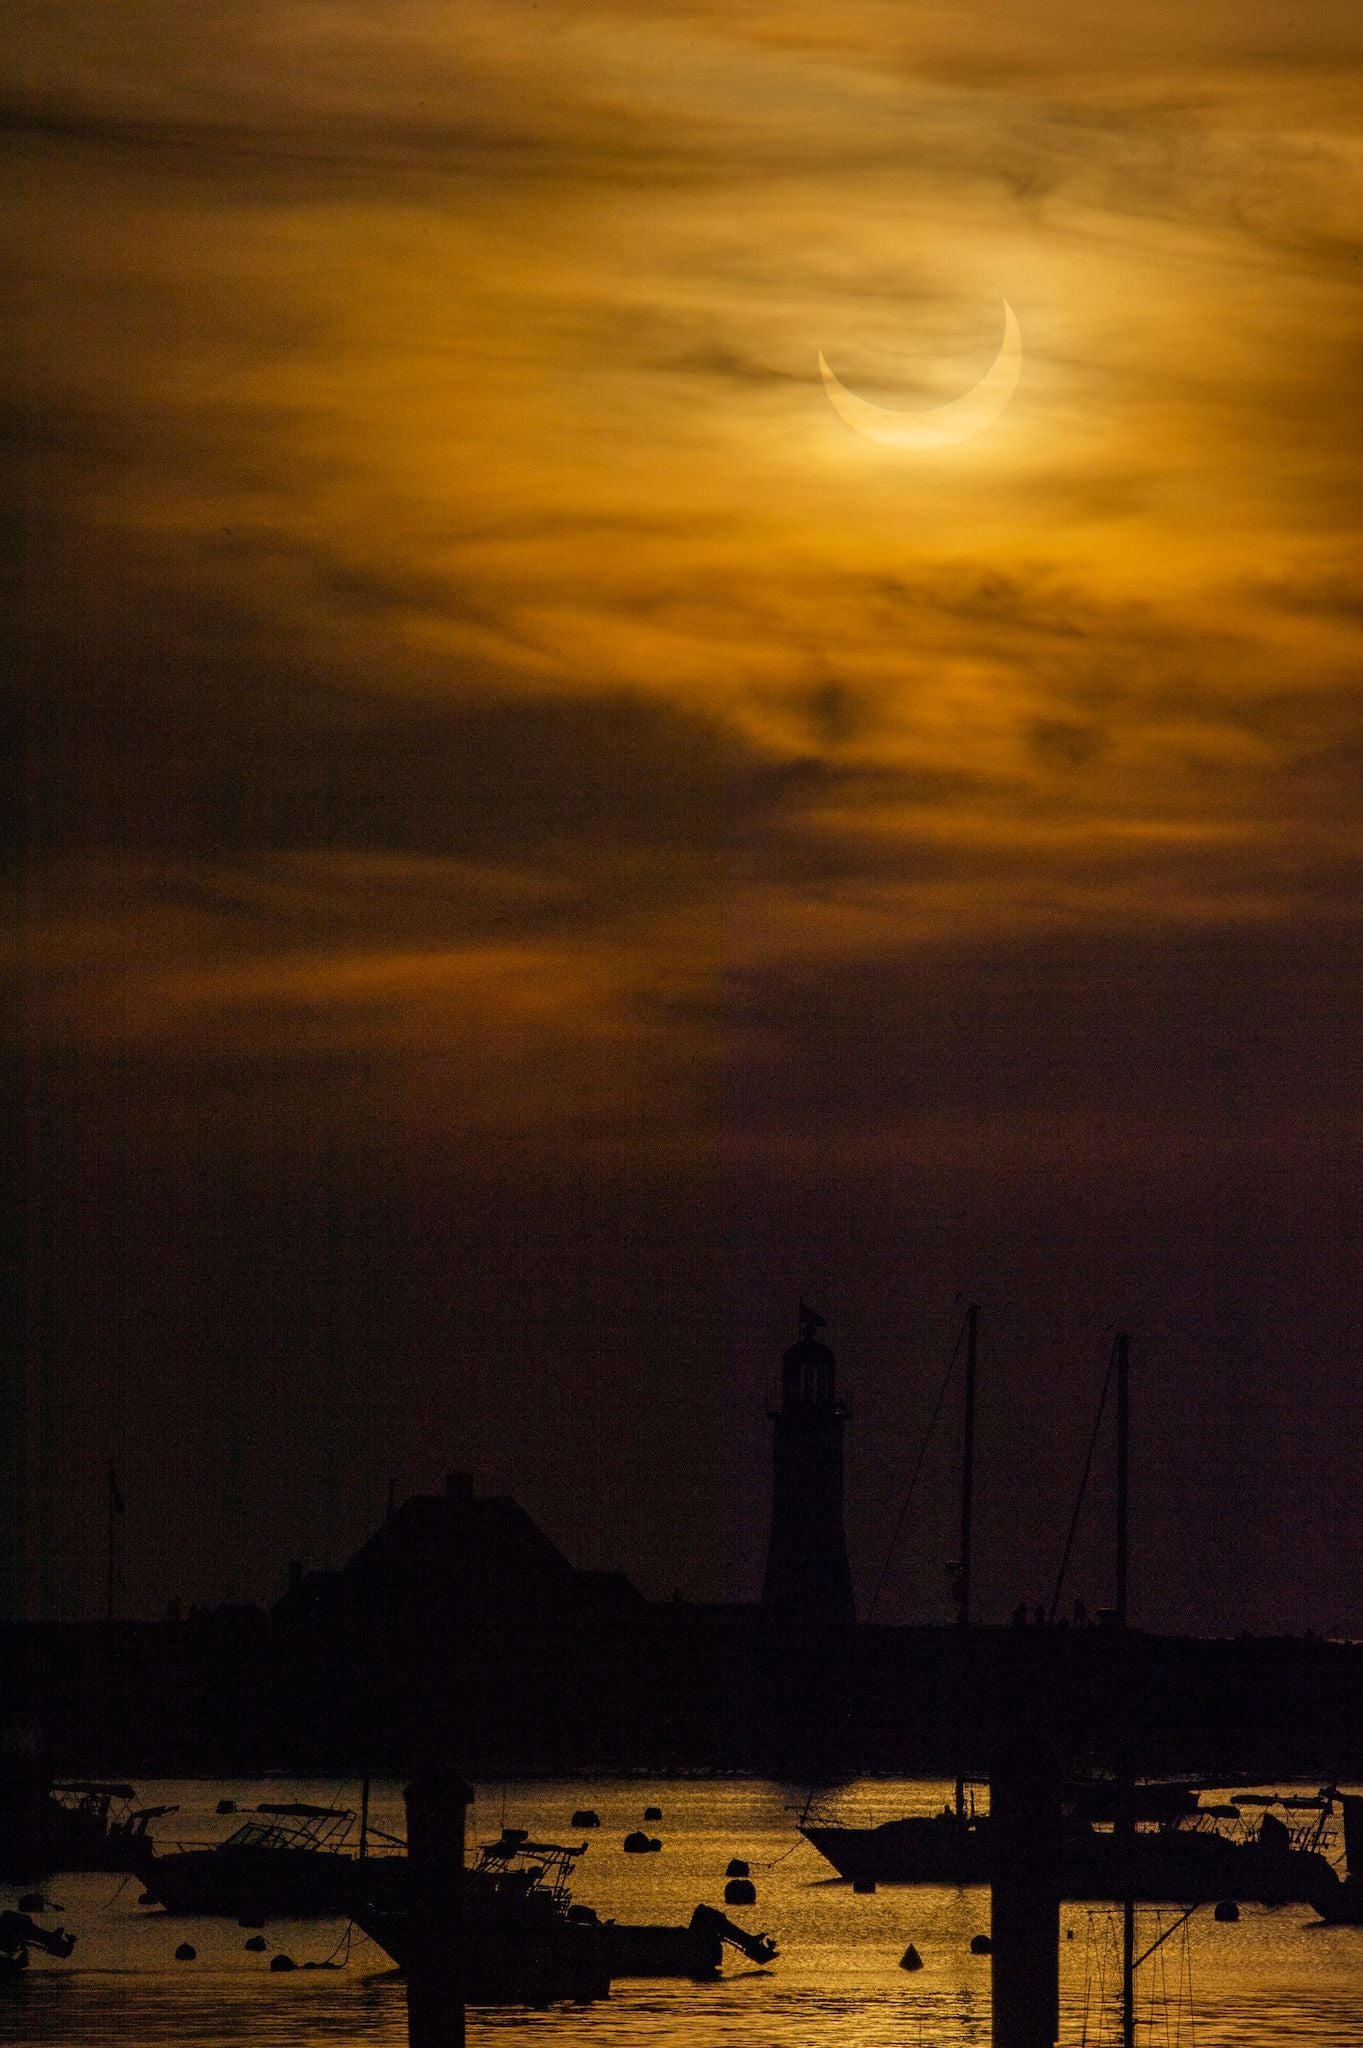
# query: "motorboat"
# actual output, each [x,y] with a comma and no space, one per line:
[524,1940]
[291,1859]
[47,1825]
[520,1942]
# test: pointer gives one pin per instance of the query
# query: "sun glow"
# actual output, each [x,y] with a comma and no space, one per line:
[942,426]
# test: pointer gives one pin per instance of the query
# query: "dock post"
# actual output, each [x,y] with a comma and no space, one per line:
[1024,1834]
[437,1801]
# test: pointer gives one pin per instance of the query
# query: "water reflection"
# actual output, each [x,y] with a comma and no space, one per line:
[130,2009]
[1272,1977]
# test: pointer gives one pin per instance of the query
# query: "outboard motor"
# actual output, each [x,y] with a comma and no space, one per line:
[758,1948]
[18,1934]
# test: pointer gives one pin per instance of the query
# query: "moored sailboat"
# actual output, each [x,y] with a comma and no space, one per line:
[1153,1839]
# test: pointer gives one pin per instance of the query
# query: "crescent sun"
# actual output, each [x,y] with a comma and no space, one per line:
[943,425]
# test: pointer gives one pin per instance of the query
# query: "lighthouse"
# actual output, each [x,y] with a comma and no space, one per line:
[809,1583]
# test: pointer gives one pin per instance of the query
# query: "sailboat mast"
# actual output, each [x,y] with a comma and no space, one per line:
[1123,1501]
[967,1496]
[1126,1820]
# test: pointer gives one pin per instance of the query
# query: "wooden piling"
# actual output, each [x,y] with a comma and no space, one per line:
[1024,1833]
[437,1802]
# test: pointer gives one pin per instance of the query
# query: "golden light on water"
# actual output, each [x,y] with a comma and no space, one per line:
[836,1979]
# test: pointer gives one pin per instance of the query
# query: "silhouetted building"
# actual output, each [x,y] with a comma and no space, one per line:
[808,1585]
[454,1565]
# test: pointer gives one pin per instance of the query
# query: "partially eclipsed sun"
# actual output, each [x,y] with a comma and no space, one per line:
[944,425]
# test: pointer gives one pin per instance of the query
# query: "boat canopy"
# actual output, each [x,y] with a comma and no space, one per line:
[298,1811]
[533,1866]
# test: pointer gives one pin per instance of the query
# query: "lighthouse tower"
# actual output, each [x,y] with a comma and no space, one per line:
[808,1584]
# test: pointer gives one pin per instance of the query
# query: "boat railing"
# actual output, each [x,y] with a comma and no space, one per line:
[105,1805]
[313,1827]
[540,1867]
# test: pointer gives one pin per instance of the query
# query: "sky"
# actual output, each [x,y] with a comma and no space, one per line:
[539,846]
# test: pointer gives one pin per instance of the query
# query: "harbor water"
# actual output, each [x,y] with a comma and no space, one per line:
[1272,1976]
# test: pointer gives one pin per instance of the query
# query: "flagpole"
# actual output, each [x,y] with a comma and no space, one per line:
[113,1506]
